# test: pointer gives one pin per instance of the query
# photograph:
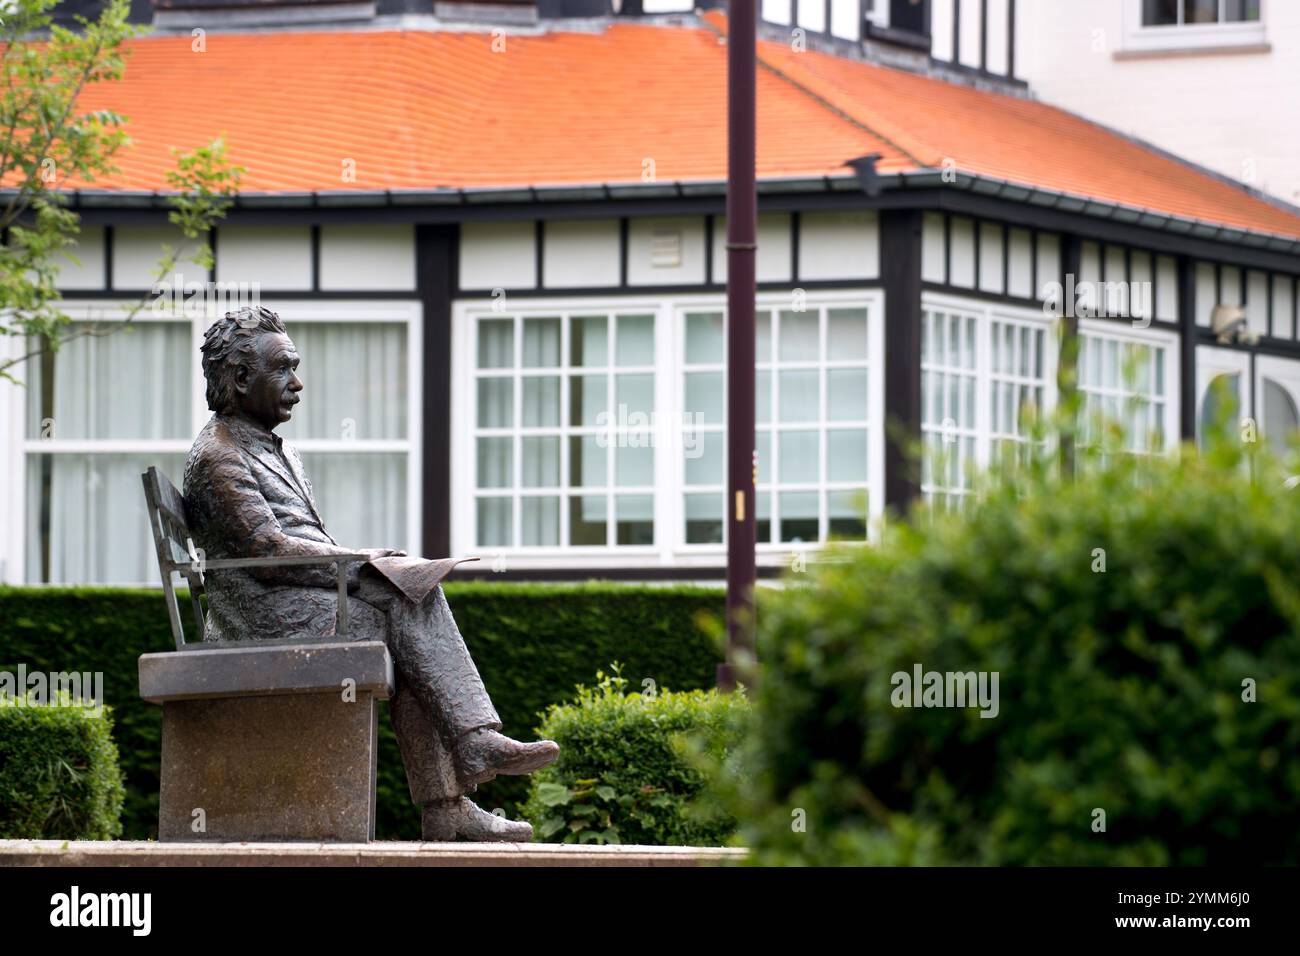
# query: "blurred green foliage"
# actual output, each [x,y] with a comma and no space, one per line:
[1143,616]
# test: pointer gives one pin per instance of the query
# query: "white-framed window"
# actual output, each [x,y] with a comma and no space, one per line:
[1262,391]
[563,452]
[594,429]
[1277,400]
[1175,25]
[1129,376]
[986,368]
[983,367]
[93,417]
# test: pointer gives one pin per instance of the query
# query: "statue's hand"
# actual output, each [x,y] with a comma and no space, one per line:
[382,553]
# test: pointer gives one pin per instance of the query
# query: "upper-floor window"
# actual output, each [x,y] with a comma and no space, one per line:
[1156,26]
[1165,13]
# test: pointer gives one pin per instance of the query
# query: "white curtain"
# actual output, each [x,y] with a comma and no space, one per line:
[362,498]
[92,519]
[134,383]
[354,378]
[86,520]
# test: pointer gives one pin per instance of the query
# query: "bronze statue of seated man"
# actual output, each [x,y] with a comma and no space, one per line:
[247,496]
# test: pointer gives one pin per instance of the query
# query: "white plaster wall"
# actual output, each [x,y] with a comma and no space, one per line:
[373,256]
[498,255]
[137,249]
[581,253]
[839,245]
[89,248]
[1236,113]
[276,257]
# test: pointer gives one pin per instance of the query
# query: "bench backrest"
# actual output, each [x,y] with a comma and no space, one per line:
[177,553]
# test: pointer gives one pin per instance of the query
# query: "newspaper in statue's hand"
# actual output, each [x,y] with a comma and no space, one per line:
[416,577]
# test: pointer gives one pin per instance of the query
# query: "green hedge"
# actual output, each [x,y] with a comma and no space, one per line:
[59,776]
[532,642]
[628,771]
[1126,614]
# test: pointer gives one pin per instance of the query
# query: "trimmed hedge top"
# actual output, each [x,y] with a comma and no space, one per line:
[532,643]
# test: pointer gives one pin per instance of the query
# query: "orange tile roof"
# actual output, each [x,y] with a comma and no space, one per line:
[425,110]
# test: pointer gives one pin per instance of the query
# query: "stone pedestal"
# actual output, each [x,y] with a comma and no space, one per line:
[266,742]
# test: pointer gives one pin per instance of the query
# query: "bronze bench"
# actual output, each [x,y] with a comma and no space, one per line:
[263,739]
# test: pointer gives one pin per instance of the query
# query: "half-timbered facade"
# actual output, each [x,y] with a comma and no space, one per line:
[500,250]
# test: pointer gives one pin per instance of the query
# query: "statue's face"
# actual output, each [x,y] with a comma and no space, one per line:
[268,391]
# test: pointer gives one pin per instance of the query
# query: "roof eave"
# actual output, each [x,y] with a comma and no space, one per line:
[990,186]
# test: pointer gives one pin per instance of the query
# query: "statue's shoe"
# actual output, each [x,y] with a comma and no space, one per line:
[464,820]
[486,753]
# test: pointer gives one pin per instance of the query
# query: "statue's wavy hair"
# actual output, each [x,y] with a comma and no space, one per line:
[230,343]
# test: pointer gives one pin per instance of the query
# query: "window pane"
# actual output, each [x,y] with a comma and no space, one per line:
[495,462]
[86,521]
[846,399]
[763,446]
[798,516]
[635,396]
[588,399]
[587,519]
[846,335]
[763,337]
[704,338]
[636,340]
[1235,11]
[541,462]
[763,518]
[590,341]
[798,457]
[541,343]
[1200,11]
[762,397]
[496,343]
[848,514]
[846,455]
[541,520]
[799,337]
[494,523]
[704,519]
[361,496]
[541,401]
[799,396]
[1159,13]
[704,464]
[1280,417]
[587,461]
[634,465]
[88,377]
[704,398]
[496,402]
[634,519]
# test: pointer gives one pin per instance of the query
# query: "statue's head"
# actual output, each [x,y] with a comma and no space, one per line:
[251,366]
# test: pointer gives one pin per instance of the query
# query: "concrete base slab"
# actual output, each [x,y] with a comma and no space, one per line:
[129,853]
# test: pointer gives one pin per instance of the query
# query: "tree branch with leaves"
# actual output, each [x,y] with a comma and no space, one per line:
[46,140]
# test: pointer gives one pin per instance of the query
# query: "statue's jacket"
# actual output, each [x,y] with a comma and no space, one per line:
[247,496]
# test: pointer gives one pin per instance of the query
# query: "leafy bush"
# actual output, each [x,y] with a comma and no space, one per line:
[59,778]
[1144,621]
[629,769]
[531,642]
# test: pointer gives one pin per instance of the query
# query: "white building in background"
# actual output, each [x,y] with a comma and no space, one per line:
[524,276]
[1216,82]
